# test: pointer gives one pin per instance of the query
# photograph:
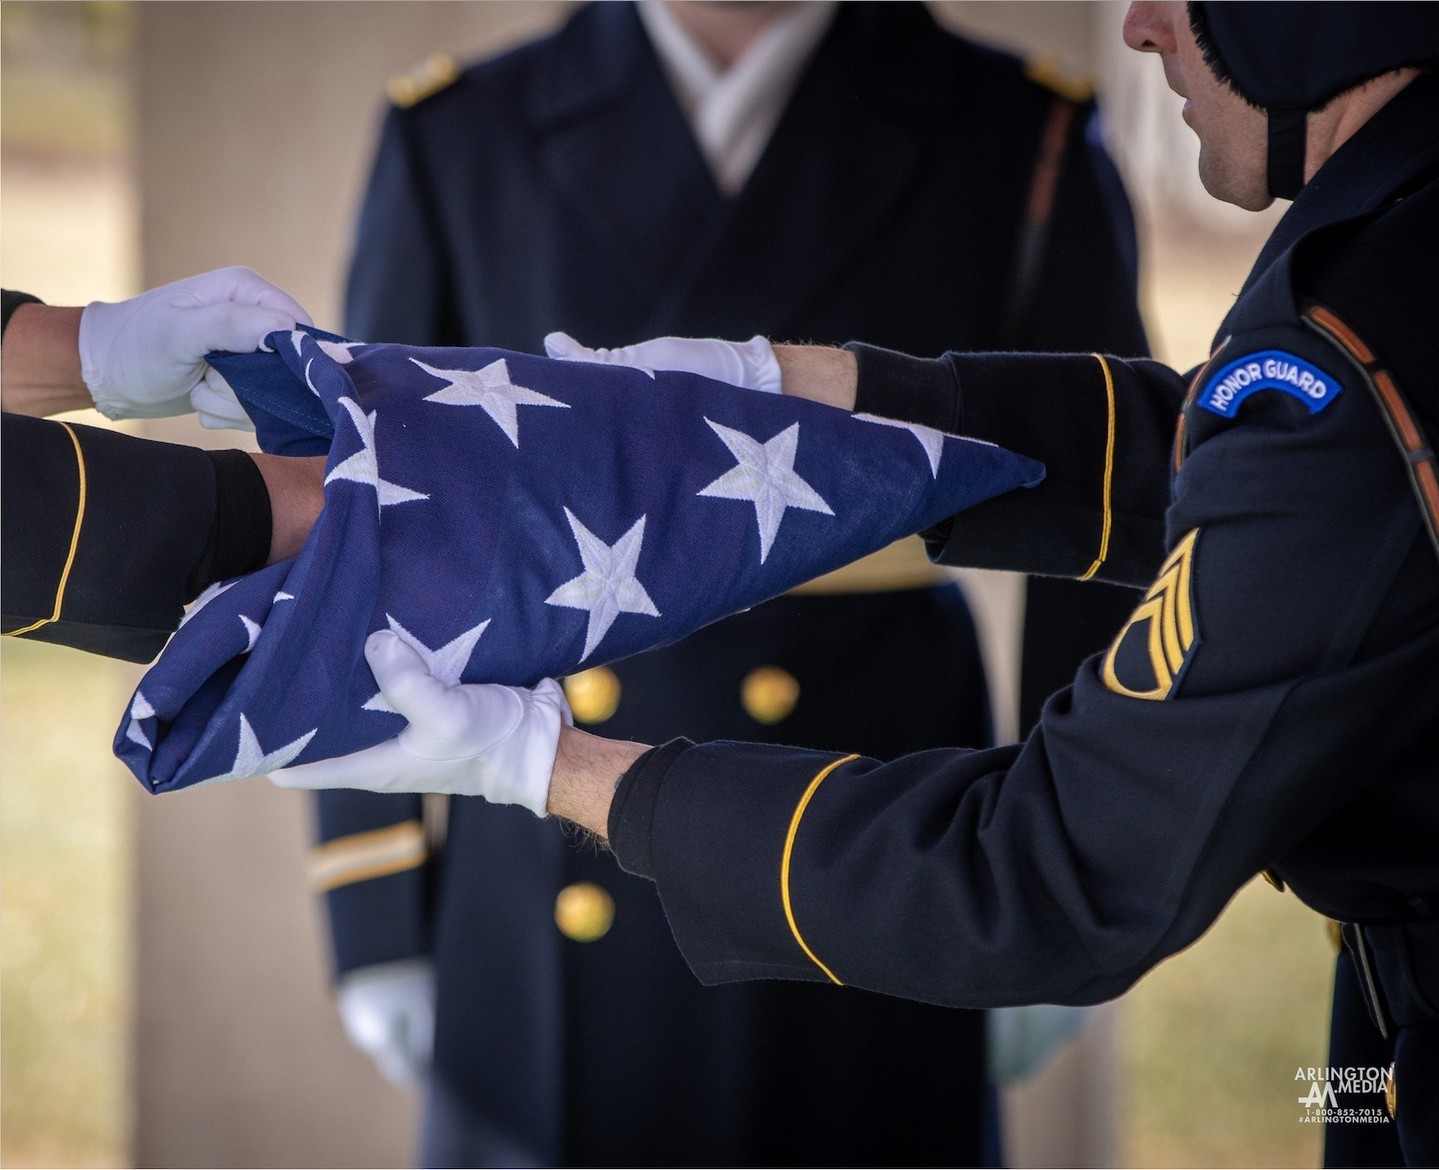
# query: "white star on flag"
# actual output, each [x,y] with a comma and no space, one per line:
[492,391]
[252,631]
[362,466]
[930,439]
[446,664]
[308,382]
[250,760]
[211,592]
[608,587]
[764,476]
[140,709]
[339,350]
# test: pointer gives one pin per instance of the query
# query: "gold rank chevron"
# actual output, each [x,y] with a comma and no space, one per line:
[1165,619]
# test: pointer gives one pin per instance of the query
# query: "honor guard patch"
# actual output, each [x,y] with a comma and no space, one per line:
[1270,369]
[1148,657]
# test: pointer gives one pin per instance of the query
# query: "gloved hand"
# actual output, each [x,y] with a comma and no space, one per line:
[216,405]
[388,1010]
[143,357]
[750,364]
[467,740]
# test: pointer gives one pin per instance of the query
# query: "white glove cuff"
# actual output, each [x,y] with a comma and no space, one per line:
[101,323]
[215,403]
[99,319]
[761,366]
[517,769]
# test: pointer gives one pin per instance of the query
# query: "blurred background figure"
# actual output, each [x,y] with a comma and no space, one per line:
[688,168]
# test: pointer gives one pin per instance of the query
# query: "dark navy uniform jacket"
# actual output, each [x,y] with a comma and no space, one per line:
[102,535]
[902,198]
[107,537]
[1271,703]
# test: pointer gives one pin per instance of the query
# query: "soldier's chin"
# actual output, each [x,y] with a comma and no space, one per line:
[1246,187]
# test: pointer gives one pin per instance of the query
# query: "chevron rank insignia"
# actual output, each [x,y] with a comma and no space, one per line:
[1148,657]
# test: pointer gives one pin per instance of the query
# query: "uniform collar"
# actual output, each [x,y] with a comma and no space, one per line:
[602,113]
[732,113]
[1385,156]
[889,49]
[595,61]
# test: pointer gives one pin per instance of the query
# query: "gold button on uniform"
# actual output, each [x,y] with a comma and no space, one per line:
[768,694]
[593,695]
[584,912]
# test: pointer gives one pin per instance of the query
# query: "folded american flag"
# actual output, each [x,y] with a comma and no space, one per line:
[513,517]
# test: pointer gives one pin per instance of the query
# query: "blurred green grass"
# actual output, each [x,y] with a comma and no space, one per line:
[1210,1040]
[65,910]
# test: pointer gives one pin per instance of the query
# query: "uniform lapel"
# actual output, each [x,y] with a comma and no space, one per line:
[604,113]
[830,177]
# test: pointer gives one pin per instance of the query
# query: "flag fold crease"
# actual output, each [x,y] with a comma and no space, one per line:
[513,518]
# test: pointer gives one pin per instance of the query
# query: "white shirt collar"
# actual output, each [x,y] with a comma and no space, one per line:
[732,114]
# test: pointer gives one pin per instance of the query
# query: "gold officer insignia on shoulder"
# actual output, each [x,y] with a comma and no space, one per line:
[436,72]
[1150,653]
[1051,73]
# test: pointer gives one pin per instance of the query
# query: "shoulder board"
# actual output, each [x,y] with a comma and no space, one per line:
[1051,73]
[436,72]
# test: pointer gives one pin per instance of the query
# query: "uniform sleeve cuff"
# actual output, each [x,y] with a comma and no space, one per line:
[632,812]
[918,390]
[239,537]
[10,301]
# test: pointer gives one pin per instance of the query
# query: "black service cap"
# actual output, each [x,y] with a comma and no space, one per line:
[1289,58]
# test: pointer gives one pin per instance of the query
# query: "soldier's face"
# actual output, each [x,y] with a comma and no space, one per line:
[1233,135]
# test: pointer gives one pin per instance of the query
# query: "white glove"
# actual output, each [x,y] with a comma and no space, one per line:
[475,739]
[750,364]
[388,1010]
[216,405]
[141,358]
